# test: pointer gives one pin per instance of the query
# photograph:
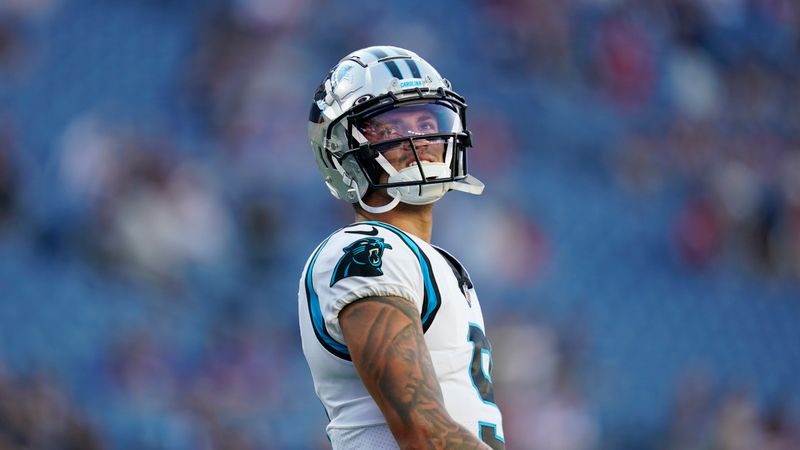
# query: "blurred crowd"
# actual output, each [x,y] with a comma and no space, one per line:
[706,90]
[202,203]
[544,407]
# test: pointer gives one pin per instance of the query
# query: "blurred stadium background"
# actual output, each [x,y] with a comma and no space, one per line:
[637,250]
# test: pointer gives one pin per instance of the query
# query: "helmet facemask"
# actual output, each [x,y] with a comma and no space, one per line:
[414,148]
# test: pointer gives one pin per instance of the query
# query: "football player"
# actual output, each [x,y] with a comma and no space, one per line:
[391,326]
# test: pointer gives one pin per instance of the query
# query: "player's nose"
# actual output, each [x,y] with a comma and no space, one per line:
[429,151]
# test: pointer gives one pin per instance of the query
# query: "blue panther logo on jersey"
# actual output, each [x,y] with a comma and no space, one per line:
[362,258]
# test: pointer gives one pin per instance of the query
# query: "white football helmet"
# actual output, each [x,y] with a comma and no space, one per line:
[385,118]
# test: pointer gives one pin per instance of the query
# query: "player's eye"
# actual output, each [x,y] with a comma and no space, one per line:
[380,132]
[386,132]
[428,125]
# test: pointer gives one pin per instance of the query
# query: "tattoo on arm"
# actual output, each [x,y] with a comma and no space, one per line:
[387,346]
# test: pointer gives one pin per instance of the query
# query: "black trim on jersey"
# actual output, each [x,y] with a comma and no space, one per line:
[426,322]
[464,282]
[308,277]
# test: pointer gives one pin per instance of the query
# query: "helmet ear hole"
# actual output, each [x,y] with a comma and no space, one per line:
[362,99]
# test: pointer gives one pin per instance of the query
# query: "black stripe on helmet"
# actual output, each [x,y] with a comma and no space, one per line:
[378,53]
[393,69]
[412,65]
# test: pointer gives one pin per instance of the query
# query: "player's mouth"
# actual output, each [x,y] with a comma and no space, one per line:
[423,159]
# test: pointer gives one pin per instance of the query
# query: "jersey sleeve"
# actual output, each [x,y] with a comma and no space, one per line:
[357,262]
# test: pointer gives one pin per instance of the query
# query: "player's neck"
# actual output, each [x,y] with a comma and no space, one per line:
[413,219]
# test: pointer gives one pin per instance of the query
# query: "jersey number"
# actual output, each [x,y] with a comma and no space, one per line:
[483,382]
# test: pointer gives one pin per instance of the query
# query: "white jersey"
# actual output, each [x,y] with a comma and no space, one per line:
[370,259]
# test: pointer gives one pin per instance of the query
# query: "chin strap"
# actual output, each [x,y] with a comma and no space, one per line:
[373,209]
[470,185]
[354,190]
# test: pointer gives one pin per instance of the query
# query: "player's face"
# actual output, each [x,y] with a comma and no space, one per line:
[405,123]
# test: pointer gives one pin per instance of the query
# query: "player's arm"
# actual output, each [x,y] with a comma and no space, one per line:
[386,344]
